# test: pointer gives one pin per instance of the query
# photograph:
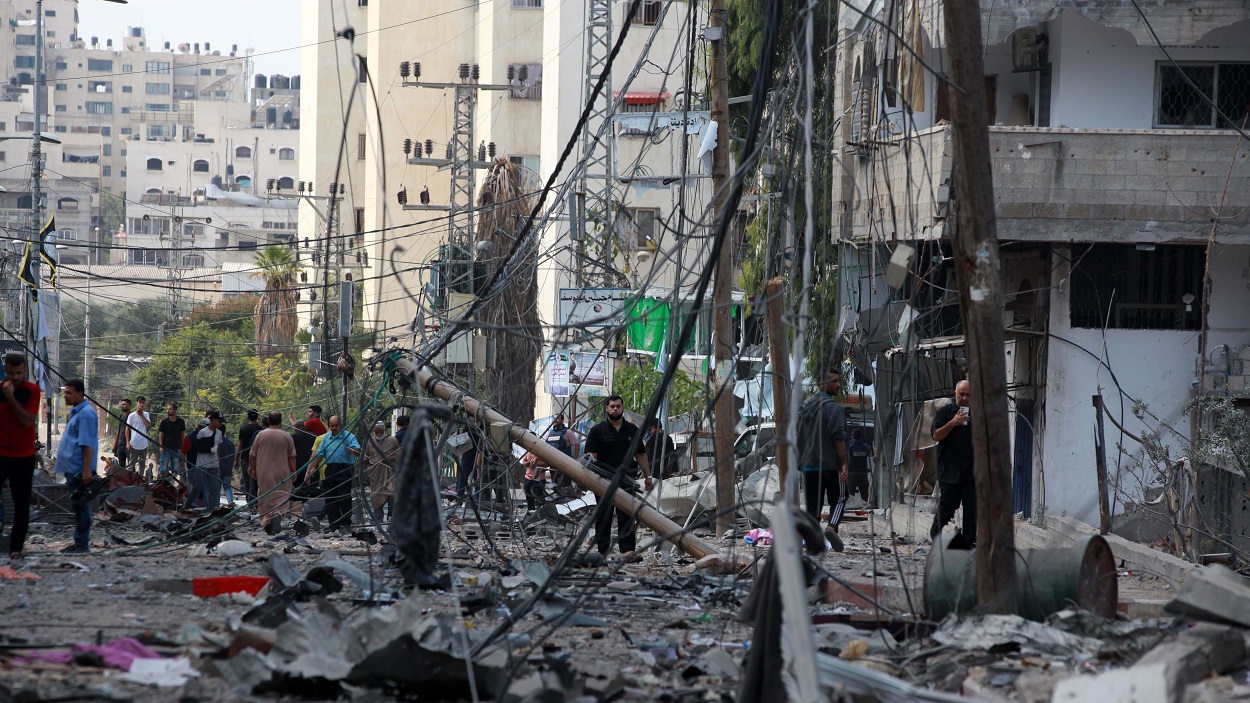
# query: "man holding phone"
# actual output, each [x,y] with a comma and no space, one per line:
[955,459]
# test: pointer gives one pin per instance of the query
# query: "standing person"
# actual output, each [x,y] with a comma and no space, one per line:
[954,470]
[271,463]
[119,442]
[491,467]
[609,442]
[338,449]
[303,450]
[661,452]
[822,453]
[313,424]
[75,458]
[19,412]
[205,443]
[170,433]
[246,433]
[381,451]
[401,428]
[137,424]
[565,440]
[226,457]
[858,453]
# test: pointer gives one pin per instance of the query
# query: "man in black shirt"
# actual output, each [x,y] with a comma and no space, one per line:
[954,469]
[858,452]
[661,452]
[170,433]
[246,433]
[609,442]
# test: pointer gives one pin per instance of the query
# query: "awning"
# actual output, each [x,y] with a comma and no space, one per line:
[644,98]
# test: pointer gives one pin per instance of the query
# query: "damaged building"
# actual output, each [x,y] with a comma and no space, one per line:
[1121,195]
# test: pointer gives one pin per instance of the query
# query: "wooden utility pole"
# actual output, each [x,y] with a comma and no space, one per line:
[1100,463]
[979,269]
[722,297]
[779,357]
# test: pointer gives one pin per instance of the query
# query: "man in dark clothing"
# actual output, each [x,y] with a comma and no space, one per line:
[661,452]
[822,453]
[119,442]
[954,469]
[246,434]
[565,440]
[303,451]
[401,428]
[609,442]
[170,433]
[226,457]
[858,453]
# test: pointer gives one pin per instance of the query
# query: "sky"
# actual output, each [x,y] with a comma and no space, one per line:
[264,25]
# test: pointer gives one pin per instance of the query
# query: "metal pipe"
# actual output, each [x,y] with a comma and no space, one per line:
[568,466]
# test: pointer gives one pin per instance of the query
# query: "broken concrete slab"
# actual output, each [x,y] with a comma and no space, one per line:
[1215,593]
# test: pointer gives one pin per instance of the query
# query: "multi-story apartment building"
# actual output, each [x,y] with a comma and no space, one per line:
[525,61]
[1121,197]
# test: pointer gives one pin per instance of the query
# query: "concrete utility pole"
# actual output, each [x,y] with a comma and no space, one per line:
[779,357]
[722,292]
[981,302]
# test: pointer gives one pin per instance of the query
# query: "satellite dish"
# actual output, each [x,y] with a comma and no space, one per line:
[184,47]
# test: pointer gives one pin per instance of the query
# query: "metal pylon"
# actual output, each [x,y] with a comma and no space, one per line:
[463,180]
[596,181]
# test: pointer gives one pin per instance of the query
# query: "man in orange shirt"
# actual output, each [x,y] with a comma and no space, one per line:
[19,409]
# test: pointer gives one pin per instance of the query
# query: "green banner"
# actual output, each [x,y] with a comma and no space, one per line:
[648,324]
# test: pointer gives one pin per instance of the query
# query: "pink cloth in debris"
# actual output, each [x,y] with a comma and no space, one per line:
[119,653]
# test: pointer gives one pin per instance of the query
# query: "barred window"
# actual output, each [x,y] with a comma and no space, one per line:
[1137,286]
[1186,95]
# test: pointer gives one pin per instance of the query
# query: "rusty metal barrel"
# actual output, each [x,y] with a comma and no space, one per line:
[1082,575]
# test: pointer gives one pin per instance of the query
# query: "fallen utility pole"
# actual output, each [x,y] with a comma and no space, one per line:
[979,269]
[779,357]
[568,466]
[722,344]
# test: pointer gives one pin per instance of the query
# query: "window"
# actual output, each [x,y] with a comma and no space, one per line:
[221,71]
[146,257]
[157,89]
[206,71]
[193,261]
[49,13]
[243,181]
[126,130]
[528,81]
[156,67]
[60,129]
[155,164]
[635,227]
[286,154]
[24,61]
[66,204]
[360,220]
[99,108]
[286,183]
[243,152]
[1137,286]
[642,103]
[60,108]
[67,233]
[108,172]
[25,40]
[524,4]
[62,86]
[157,107]
[247,244]
[363,75]
[2,156]
[650,12]
[99,64]
[108,149]
[530,163]
[360,147]
[362,3]
[128,89]
[106,131]
[158,131]
[1185,93]
[127,68]
[100,86]
[199,166]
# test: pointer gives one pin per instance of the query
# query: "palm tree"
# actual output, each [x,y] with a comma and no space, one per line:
[276,321]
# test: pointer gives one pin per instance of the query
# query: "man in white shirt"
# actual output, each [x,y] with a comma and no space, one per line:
[204,443]
[137,424]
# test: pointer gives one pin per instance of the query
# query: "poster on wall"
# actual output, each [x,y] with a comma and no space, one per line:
[578,373]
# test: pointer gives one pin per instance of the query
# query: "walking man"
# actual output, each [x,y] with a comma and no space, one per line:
[19,411]
[858,453]
[822,453]
[271,463]
[609,442]
[119,442]
[246,434]
[170,433]
[76,459]
[381,451]
[565,440]
[137,424]
[338,451]
[954,465]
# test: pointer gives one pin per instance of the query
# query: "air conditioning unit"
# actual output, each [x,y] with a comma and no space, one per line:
[1028,50]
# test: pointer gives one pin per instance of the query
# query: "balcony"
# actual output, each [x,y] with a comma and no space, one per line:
[1061,184]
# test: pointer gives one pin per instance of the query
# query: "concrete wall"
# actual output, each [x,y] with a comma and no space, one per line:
[1155,367]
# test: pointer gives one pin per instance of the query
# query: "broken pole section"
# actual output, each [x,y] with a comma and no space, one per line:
[979,268]
[559,461]
[1100,462]
[779,357]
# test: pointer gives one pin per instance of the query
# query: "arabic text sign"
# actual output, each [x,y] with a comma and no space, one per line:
[593,307]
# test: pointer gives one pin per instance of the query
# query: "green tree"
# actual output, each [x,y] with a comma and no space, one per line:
[276,321]
[636,382]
